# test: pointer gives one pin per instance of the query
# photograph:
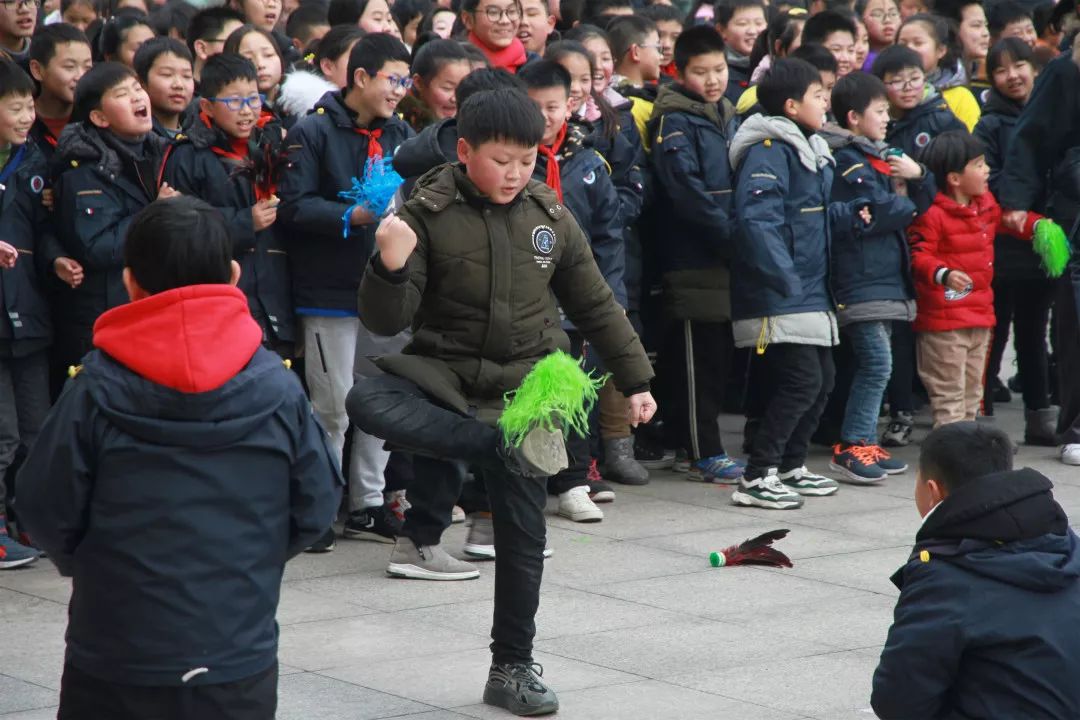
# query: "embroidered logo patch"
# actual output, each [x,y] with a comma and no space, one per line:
[922,139]
[543,239]
[590,178]
[37,184]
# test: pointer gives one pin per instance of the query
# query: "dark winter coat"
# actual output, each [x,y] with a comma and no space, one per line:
[325,153]
[28,226]
[44,139]
[206,165]
[739,72]
[434,145]
[1014,259]
[480,293]
[694,196]
[874,265]
[176,474]
[985,627]
[922,124]
[98,192]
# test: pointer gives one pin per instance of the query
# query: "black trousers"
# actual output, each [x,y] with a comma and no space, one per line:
[797,382]
[84,697]
[692,375]
[443,442]
[1025,306]
[901,389]
[1067,350]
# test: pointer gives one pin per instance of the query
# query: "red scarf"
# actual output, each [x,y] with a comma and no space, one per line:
[670,70]
[554,178]
[878,164]
[239,154]
[510,58]
[374,149]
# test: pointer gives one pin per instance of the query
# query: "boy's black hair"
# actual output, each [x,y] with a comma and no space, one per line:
[695,41]
[1004,12]
[222,69]
[430,59]
[950,152]
[854,92]
[66,4]
[599,12]
[475,54]
[210,23]
[97,81]
[303,19]
[953,9]
[152,49]
[1042,17]
[178,242]
[174,15]
[543,74]
[1011,47]
[662,13]
[787,79]
[584,32]
[817,56]
[345,12]
[962,452]
[625,31]
[405,11]
[486,79]
[372,52]
[46,39]
[335,43]
[504,115]
[894,59]
[824,24]
[724,10]
[116,29]
[14,80]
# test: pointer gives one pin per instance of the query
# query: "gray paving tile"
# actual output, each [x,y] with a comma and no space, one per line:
[301,694]
[350,556]
[456,679]
[18,695]
[633,516]
[804,541]
[299,606]
[48,713]
[893,527]
[593,564]
[865,570]
[375,590]
[40,580]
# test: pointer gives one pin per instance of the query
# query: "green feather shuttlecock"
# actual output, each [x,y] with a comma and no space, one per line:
[556,394]
[1051,245]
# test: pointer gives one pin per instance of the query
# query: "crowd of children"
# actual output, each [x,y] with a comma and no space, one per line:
[792,205]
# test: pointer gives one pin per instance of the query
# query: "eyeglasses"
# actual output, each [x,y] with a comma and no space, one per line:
[237,103]
[906,83]
[880,15]
[495,14]
[655,46]
[399,81]
[20,4]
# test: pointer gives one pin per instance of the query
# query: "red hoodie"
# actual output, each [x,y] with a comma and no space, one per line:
[193,339]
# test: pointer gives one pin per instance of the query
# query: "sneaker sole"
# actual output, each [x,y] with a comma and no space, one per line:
[896,471]
[846,476]
[321,550]
[604,496]
[586,517]
[698,477]
[498,697]
[367,535]
[487,552]
[680,467]
[12,564]
[413,572]
[813,491]
[748,500]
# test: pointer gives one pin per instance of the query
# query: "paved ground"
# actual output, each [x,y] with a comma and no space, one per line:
[633,622]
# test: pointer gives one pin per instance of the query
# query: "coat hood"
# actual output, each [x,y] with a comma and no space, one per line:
[998,104]
[945,78]
[1008,527]
[301,91]
[82,143]
[813,151]
[839,138]
[436,144]
[675,98]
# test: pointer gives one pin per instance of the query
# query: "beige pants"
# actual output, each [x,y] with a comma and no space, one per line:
[614,409]
[951,365]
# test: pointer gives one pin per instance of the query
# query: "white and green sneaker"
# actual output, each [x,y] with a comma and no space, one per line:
[766,492]
[804,482]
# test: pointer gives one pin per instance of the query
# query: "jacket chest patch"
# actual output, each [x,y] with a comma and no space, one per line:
[922,139]
[590,178]
[37,184]
[543,242]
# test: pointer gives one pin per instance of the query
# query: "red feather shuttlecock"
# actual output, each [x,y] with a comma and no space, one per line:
[755,551]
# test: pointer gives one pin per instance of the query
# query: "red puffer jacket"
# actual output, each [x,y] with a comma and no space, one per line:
[957,237]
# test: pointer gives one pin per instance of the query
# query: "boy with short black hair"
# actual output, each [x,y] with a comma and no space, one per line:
[307,23]
[691,126]
[25,323]
[993,578]
[207,33]
[739,23]
[164,67]
[330,239]
[537,23]
[179,471]
[919,113]
[835,32]
[231,157]
[59,57]
[17,22]
[475,339]
[1011,19]
[669,25]
[780,300]
[635,47]
[870,271]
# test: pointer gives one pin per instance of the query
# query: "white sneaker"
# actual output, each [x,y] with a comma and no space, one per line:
[575,504]
[1070,454]
[457,515]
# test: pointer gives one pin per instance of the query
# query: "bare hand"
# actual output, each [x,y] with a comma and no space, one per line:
[958,281]
[396,242]
[1014,220]
[69,271]
[904,167]
[48,198]
[166,191]
[8,255]
[866,215]
[360,216]
[264,214]
[642,408]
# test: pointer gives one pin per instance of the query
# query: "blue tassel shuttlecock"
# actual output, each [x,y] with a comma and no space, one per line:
[376,191]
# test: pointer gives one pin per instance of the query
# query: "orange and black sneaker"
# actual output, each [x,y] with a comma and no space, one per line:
[885,461]
[857,464]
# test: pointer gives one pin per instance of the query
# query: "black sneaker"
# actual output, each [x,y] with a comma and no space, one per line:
[324,544]
[517,687]
[898,433]
[377,524]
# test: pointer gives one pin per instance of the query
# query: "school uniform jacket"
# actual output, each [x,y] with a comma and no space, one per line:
[923,123]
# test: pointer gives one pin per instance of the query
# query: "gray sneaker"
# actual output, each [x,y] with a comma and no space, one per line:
[518,688]
[541,454]
[427,562]
[620,465]
[480,542]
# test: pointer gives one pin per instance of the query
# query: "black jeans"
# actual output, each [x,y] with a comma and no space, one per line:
[901,392]
[1067,350]
[692,374]
[84,697]
[1024,305]
[798,379]
[442,442]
